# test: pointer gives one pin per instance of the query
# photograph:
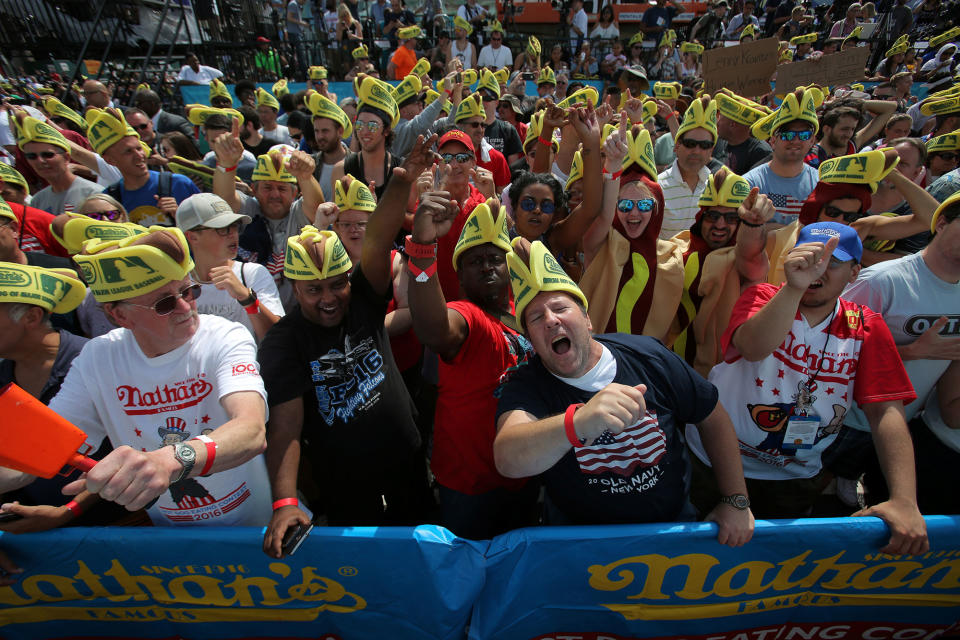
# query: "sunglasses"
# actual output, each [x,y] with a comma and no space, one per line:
[371,125]
[788,136]
[111,215]
[848,216]
[731,216]
[473,125]
[221,231]
[459,157]
[626,205]
[693,144]
[546,206]
[486,97]
[296,136]
[141,127]
[165,305]
[46,155]
[949,157]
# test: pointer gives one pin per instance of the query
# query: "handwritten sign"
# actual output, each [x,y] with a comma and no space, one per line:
[836,68]
[745,69]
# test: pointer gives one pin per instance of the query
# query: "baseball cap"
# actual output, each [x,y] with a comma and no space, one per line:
[455,135]
[207,210]
[262,39]
[849,247]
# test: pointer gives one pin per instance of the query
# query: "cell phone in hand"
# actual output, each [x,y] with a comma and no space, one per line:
[9,516]
[528,75]
[294,538]
[457,79]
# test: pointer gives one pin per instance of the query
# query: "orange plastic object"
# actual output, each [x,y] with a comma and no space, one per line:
[36,440]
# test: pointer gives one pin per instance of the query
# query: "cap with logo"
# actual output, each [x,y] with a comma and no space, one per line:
[207,210]
[849,246]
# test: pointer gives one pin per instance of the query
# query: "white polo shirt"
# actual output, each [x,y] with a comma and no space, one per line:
[680,203]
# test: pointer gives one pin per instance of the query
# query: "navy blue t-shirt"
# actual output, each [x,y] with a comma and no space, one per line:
[640,475]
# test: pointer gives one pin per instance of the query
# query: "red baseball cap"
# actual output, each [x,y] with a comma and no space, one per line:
[262,39]
[455,135]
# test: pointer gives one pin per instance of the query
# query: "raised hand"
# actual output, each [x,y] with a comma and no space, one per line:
[434,217]
[615,146]
[612,409]
[227,146]
[756,208]
[301,165]
[420,158]
[805,263]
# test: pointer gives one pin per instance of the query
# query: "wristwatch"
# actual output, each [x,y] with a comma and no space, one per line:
[186,456]
[249,300]
[737,501]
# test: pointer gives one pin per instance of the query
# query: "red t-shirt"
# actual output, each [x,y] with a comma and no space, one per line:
[465,420]
[498,167]
[406,348]
[447,275]
[35,230]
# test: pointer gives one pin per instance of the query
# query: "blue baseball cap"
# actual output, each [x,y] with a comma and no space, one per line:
[849,247]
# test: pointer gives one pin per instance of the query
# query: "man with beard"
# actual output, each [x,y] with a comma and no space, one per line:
[331,127]
[839,135]
[250,133]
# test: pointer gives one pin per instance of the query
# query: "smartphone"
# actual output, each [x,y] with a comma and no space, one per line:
[294,538]
[528,75]
[443,170]
[457,79]
[9,516]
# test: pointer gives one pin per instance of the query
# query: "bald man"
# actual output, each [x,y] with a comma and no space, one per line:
[96,94]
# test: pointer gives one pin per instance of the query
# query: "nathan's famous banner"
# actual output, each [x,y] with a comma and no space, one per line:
[216,582]
[796,580]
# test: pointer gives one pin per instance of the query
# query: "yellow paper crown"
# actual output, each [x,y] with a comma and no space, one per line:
[56,290]
[198,113]
[898,47]
[547,76]
[272,165]
[581,96]
[322,107]
[317,72]
[542,273]
[143,86]
[6,211]
[666,90]
[854,35]
[482,228]
[356,198]
[408,88]
[856,86]
[56,109]
[750,31]
[533,46]
[28,129]
[867,168]
[807,38]
[944,37]
[421,68]
[118,269]
[502,75]
[79,228]
[219,90]
[946,142]
[264,99]
[650,109]
[698,116]
[691,47]
[489,82]
[299,263]
[640,153]
[469,108]
[786,55]
[406,33]
[533,130]
[733,190]
[668,39]
[790,109]
[460,23]
[361,52]
[467,77]
[11,176]
[106,128]
[495,27]
[433,95]
[377,94]
[638,38]
[280,88]
[576,171]
[950,104]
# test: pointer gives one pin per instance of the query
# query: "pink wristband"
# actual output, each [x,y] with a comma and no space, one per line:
[74,508]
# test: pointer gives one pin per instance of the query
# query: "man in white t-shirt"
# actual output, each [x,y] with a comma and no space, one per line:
[242,292]
[178,394]
[795,358]
[194,73]
[577,19]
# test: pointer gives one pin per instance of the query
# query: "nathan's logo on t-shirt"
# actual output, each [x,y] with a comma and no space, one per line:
[918,325]
[169,397]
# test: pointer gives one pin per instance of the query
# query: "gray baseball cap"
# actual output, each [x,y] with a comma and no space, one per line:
[207,210]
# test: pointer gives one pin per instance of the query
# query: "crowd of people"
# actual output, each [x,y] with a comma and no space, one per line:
[450,302]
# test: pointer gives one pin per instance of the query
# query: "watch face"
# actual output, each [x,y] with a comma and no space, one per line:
[740,501]
[185,453]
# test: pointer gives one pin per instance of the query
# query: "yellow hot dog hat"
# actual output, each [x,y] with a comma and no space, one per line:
[56,290]
[547,76]
[580,96]
[197,114]
[469,107]
[280,88]
[272,165]
[135,265]
[668,39]
[949,104]
[56,109]
[421,68]
[377,94]
[315,255]
[533,270]
[533,46]
[750,31]
[489,82]
[666,90]
[317,72]
[576,171]
[73,229]
[106,128]
[946,36]
[265,99]
[482,228]
[11,175]
[433,95]
[502,75]
[807,38]
[902,45]
[731,192]
[947,142]
[702,113]
[322,107]
[408,88]
[219,90]
[795,106]
[640,153]
[28,129]
[407,33]
[495,27]
[356,197]
[360,52]
[739,109]
[460,23]
[534,130]
[467,77]
[867,168]
[691,47]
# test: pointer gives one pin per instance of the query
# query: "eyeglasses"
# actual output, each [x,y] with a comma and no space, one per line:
[46,155]
[141,127]
[459,157]
[352,225]
[835,212]
[296,136]
[788,136]
[110,215]
[713,216]
[626,205]
[473,125]
[486,97]
[221,231]
[371,125]
[689,143]
[546,206]
[948,156]
[165,305]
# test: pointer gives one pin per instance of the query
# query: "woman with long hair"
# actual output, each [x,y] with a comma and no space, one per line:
[175,143]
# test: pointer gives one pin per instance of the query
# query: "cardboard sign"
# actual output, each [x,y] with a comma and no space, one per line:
[837,68]
[745,69]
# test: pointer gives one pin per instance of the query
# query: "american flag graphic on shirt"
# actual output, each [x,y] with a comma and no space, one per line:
[275,263]
[30,243]
[641,444]
[788,207]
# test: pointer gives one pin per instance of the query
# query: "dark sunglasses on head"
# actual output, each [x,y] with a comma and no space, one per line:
[221,231]
[459,157]
[692,144]
[165,305]
[835,212]
[111,215]
[529,204]
[46,155]
[948,156]
[625,205]
[713,216]
[788,136]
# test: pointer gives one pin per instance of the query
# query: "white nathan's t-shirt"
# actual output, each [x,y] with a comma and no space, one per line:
[113,390]
[218,302]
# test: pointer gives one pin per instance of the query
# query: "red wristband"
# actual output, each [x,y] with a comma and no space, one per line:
[285,502]
[422,275]
[74,508]
[568,425]
[227,169]
[252,309]
[616,174]
[544,141]
[417,250]
[211,453]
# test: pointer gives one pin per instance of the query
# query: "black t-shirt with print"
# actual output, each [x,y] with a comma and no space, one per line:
[503,137]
